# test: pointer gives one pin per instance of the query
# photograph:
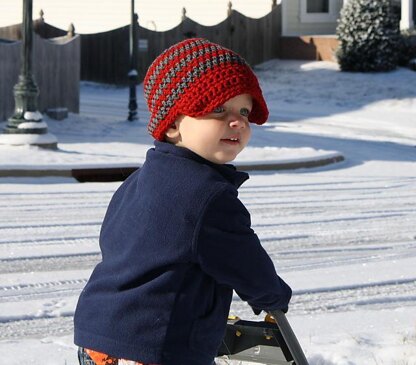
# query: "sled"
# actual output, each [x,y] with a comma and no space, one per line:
[269,342]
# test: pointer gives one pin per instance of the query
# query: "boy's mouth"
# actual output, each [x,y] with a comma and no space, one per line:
[231,140]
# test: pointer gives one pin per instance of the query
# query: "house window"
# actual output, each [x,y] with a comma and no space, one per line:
[319,11]
[317,6]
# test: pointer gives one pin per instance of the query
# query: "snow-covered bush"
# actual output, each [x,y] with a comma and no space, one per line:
[407,53]
[369,35]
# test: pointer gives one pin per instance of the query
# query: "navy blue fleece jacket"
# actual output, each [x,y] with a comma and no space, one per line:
[175,242]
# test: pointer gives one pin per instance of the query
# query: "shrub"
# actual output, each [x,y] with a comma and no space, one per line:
[407,51]
[369,35]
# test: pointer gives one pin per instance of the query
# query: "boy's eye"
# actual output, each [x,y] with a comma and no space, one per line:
[219,109]
[244,112]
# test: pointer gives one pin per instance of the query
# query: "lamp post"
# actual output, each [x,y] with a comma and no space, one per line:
[133,65]
[26,125]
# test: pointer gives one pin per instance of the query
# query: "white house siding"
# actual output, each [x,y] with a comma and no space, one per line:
[407,14]
[293,25]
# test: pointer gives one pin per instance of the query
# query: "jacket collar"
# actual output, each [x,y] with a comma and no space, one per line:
[228,171]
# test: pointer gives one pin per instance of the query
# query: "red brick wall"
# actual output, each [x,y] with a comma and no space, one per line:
[320,48]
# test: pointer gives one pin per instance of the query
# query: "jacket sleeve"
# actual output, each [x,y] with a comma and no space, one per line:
[227,249]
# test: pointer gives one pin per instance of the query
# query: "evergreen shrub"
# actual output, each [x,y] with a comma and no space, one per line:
[369,35]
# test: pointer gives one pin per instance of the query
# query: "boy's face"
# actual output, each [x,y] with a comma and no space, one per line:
[218,136]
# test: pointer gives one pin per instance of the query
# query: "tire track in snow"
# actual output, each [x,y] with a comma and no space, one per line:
[375,295]
[53,194]
[290,260]
[18,226]
[70,241]
[39,238]
[311,225]
[52,240]
[34,208]
[51,289]
[37,327]
[337,299]
[49,263]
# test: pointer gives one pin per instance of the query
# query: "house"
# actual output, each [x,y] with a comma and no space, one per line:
[308,26]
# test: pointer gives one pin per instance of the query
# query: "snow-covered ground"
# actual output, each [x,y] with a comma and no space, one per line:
[343,236]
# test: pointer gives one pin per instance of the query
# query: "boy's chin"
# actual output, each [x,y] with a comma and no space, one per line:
[224,160]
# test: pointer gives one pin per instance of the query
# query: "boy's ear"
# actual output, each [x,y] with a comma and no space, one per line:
[173,133]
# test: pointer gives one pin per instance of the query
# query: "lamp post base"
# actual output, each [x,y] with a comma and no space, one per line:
[24,126]
[28,129]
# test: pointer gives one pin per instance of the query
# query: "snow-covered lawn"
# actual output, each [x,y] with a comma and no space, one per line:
[343,236]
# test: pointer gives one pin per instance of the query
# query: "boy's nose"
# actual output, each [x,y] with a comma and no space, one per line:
[237,122]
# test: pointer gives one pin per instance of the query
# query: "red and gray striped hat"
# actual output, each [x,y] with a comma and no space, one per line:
[193,77]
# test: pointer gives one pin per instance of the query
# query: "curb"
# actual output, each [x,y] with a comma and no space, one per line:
[291,165]
[109,174]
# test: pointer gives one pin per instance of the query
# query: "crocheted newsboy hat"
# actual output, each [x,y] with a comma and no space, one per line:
[193,77]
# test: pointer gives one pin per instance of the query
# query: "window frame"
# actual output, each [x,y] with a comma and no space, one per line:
[329,17]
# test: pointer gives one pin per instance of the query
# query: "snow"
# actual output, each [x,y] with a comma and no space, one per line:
[132,72]
[7,140]
[32,125]
[35,115]
[343,236]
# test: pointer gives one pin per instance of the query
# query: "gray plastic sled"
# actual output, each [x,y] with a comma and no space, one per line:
[270,342]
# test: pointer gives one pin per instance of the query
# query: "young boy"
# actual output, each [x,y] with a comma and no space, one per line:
[176,240]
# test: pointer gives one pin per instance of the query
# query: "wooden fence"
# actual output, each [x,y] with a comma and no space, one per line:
[56,69]
[105,56]
[44,30]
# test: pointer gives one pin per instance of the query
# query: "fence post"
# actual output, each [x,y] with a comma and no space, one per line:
[71,30]
[229,8]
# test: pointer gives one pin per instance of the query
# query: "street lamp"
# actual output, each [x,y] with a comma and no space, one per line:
[26,125]
[133,75]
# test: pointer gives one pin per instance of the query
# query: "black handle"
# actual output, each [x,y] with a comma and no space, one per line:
[290,338]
